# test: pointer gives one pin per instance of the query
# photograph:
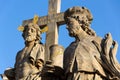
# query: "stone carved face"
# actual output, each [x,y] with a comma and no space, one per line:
[73,27]
[30,33]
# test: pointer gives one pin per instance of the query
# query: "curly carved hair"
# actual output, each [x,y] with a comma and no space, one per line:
[83,16]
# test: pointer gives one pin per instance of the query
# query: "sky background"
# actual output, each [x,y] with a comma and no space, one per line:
[106,18]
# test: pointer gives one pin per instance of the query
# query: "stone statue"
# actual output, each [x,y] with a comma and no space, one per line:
[89,57]
[30,60]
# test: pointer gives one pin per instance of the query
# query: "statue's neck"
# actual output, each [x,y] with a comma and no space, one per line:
[81,36]
[30,43]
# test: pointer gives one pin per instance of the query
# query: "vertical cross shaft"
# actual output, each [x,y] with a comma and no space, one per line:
[52,33]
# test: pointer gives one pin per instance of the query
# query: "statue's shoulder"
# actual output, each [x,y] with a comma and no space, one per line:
[71,47]
[73,43]
[98,39]
[19,52]
[41,47]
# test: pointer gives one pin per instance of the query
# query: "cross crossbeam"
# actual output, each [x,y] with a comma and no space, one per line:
[44,20]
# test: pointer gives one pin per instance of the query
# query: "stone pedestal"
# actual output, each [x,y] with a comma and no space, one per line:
[56,55]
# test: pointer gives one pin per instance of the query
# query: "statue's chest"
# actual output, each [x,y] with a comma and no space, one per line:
[83,49]
[24,55]
[86,49]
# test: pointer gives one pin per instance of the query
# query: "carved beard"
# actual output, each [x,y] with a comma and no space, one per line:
[30,38]
[72,32]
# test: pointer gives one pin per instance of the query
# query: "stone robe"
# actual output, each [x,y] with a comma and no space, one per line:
[80,62]
[24,69]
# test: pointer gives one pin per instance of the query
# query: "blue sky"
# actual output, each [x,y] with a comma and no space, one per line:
[106,15]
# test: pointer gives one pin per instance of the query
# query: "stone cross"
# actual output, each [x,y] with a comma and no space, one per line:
[53,20]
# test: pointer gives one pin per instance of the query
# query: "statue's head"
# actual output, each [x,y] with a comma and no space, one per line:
[31,32]
[80,17]
[81,14]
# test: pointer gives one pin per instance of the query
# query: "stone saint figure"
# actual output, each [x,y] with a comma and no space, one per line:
[85,58]
[30,60]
